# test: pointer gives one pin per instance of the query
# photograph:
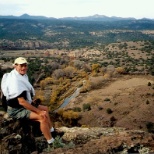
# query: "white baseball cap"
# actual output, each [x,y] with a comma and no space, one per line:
[20,60]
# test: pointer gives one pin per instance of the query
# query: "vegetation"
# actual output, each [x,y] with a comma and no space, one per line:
[87,55]
[58,143]
[77,109]
[63,75]
[69,34]
[69,117]
[107,99]
[150,127]
[86,107]
[109,111]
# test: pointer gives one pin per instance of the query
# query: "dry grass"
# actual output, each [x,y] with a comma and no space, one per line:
[130,99]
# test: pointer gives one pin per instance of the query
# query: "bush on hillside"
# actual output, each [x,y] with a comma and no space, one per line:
[150,127]
[109,111]
[71,117]
[95,68]
[107,99]
[149,83]
[45,82]
[93,83]
[120,70]
[86,107]
[77,109]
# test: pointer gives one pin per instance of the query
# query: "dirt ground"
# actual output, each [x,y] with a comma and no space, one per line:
[129,98]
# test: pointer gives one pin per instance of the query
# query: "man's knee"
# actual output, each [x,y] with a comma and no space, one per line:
[43,119]
[46,108]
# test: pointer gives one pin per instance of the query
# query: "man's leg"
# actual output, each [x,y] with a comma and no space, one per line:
[45,108]
[44,125]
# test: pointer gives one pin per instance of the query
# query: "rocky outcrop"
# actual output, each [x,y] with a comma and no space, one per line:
[31,44]
[24,45]
[20,136]
[107,140]
[24,137]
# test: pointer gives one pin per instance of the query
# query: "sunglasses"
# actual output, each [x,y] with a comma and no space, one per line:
[22,65]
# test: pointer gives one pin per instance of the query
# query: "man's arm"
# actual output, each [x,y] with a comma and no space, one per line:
[28,106]
[22,101]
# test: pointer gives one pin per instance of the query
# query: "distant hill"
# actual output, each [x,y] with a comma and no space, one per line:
[39,32]
[25,16]
[95,17]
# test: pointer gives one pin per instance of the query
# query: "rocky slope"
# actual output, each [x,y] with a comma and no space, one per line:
[24,45]
[17,137]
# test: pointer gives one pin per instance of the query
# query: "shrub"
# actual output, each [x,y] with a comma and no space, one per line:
[93,83]
[147,102]
[95,67]
[58,143]
[86,107]
[148,94]
[107,99]
[45,82]
[149,83]
[40,95]
[42,84]
[70,117]
[69,72]
[77,109]
[58,73]
[150,127]
[48,80]
[107,76]
[70,114]
[100,107]
[109,111]
[113,119]
[96,82]
[120,70]
[86,87]
[54,96]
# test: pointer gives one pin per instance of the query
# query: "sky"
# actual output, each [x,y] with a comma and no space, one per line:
[79,8]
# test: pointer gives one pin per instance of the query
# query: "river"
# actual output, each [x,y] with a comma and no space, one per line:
[68,99]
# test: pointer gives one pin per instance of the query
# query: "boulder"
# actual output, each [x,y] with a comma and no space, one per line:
[20,136]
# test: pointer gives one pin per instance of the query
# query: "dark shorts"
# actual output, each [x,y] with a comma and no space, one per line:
[18,113]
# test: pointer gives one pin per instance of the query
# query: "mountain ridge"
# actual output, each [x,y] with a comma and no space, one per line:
[95,17]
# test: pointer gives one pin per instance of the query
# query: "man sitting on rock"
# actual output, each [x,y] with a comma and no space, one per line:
[19,92]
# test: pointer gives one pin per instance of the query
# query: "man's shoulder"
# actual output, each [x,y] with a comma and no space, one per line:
[5,75]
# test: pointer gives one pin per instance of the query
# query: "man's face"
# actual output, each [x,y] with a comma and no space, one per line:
[21,68]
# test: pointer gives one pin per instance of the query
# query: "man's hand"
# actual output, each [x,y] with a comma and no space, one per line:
[43,114]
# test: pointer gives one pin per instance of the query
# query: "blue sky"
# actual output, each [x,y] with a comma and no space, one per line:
[79,8]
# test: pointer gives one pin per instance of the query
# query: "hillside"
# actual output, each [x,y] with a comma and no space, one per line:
[124,102]
[110,64]
[126,128]
[30,33]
